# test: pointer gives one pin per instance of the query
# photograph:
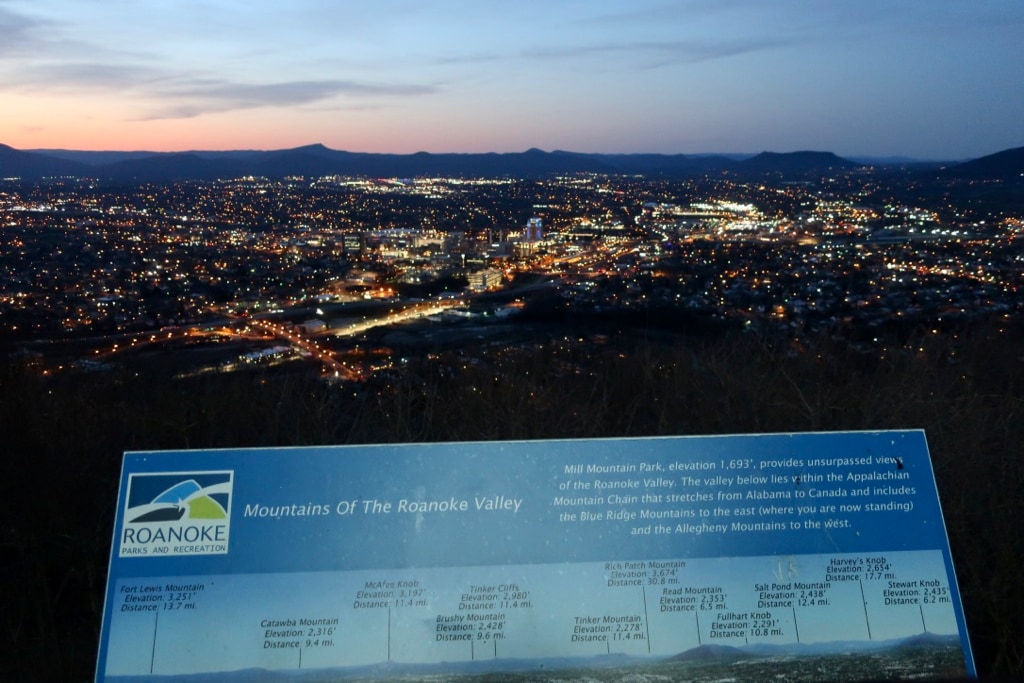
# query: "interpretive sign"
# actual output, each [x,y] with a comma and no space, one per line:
[805,556]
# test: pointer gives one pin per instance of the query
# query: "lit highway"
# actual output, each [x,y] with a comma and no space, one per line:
[413,312]
[303,343]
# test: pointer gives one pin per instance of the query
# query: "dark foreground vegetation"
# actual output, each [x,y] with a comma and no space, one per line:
[62,445]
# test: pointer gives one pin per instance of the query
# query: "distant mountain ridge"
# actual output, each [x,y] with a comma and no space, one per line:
[1002,165]
[528,668]
[797,162]
[316,160]
[31,165]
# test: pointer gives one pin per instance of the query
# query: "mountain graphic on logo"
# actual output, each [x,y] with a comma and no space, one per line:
[186,499]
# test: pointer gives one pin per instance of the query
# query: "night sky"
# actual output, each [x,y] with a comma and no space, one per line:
[928,79]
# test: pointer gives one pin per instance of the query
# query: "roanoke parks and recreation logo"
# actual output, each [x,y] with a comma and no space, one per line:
[177,513]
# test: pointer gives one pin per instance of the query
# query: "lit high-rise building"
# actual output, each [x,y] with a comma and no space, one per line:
[534,230]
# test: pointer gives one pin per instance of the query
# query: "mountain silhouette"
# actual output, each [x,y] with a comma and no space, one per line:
[710,653]
[1002,165]
[31,165]
[795,163]
[316,160]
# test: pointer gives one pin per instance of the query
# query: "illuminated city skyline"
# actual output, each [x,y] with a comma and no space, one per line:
[929,80]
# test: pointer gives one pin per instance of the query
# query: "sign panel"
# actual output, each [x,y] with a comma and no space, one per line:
[818,556]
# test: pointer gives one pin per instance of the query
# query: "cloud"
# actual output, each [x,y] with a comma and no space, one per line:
[20,33]
[166,94]
[811,21]
[41,55]
[664,53]
[190,98]
[651,54]
[81,76]
[659,13]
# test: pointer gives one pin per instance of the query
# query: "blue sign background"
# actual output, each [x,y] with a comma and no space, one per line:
[541,489]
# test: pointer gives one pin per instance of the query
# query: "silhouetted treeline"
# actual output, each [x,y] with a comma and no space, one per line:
[63,440]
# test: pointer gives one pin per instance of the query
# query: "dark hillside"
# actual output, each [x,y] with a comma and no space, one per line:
[1002,165]
[63,443]
[795,163]
[15,163]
